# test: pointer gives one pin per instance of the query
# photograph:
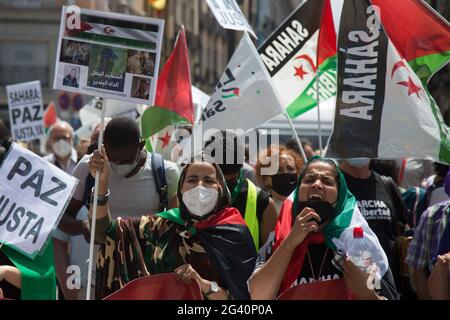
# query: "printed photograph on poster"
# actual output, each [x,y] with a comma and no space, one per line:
[107,68]
[141,62]
[75,52]
[140,88]
[109,55]
[72,76]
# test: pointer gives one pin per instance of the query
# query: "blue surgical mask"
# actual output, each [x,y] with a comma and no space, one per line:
[358,162]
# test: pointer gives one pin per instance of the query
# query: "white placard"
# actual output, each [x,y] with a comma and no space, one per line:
[229,15]
[108,55]
[33,196]
[26,110]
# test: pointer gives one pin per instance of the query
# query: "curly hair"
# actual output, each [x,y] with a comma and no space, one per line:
[264,161]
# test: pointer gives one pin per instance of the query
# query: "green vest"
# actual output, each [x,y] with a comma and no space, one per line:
[250,213]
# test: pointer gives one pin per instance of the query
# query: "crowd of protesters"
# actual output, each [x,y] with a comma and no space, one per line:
[155,216]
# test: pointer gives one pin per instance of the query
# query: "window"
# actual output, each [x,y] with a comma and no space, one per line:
[28,4]
[21,62]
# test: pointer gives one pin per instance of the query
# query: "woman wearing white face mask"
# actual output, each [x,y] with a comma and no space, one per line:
[204,240]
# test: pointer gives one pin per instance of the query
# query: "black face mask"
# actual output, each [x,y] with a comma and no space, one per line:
[284,183]
[323,208]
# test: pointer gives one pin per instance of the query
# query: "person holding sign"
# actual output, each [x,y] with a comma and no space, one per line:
[314,231]
[204,240]
[22,278]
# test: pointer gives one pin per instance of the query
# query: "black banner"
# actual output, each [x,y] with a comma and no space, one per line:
[291,35]
[362,53]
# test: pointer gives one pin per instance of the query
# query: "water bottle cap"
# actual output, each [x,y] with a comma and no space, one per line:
[358,232]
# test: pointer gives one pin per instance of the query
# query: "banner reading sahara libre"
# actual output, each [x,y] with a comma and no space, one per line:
[229,15]
[108,55]
[33,196]
[290,56]
[388,52]
[26,111]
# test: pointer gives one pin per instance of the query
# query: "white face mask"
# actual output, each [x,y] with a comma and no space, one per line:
[62,148]
[200,200]
[122,170]
[358,162]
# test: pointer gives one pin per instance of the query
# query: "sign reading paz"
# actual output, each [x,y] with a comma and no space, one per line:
[33,196]
[26,110]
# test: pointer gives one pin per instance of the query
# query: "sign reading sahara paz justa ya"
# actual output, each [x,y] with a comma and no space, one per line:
[229,15]
[26,110]
[33,196]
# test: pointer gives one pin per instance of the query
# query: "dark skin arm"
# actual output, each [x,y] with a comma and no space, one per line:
[69,224]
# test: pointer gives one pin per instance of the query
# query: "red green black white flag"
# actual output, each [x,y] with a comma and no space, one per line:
[388,51]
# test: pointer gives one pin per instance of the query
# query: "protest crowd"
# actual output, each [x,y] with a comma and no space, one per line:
[292,220]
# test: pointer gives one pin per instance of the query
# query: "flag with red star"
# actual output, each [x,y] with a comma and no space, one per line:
[388,51]
[173,103]
[296,51]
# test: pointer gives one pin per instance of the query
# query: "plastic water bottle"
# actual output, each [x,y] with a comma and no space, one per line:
[360,255]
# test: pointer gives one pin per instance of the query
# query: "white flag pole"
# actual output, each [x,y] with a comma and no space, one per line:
[318,112]
[94,211]
[296,137]
[279,100]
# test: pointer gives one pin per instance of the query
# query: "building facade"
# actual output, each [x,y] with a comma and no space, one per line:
[29,36]
[211,46]
[29,31]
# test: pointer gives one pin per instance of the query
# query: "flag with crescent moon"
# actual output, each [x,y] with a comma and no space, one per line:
[388,51]
[290,55]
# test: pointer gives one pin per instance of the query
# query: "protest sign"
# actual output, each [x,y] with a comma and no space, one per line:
[33,196]
[26,111]
[108,55]
[229,15]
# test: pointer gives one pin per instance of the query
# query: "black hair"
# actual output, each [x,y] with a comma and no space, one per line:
[292,144]
[227,142]
[386,168]
[122,132]
[5,144]
[4,131]
[441,169]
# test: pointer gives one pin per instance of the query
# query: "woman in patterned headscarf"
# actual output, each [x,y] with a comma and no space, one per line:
[204,240]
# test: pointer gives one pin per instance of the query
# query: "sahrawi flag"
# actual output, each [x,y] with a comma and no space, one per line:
[388,50]
[96,28]
[173,103]
[38,274]
[244,97]
[291,57]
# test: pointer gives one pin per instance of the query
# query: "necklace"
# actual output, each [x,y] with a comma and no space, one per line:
[321,266]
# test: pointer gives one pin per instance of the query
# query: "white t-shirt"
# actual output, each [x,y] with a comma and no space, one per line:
[132,197]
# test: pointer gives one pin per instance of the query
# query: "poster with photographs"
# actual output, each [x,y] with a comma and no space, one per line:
[108,55]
